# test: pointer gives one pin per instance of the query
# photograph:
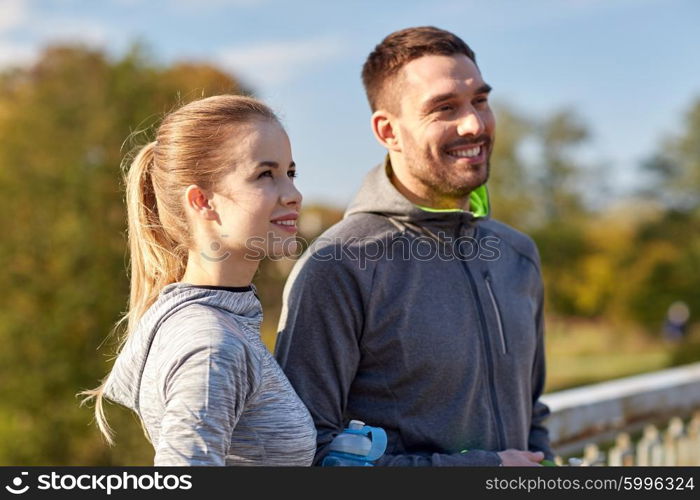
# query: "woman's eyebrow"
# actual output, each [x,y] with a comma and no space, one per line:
[273,164]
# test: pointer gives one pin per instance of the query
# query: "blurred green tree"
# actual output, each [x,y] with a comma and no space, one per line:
[557,202]
[560,171]
[666,266]
[511,188]
[675,168]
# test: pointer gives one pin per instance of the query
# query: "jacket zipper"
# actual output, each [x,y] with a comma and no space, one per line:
[487,348]
[499,322]
[484,334]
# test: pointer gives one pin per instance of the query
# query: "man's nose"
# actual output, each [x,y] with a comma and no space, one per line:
[471,124]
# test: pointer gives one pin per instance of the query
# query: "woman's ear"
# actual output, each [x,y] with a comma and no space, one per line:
[384,126]
[198,203]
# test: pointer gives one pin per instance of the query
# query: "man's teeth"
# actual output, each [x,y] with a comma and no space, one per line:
[286,222]
[466,153]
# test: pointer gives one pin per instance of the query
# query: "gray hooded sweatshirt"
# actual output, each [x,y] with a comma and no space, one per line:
[205,386]
[428,324]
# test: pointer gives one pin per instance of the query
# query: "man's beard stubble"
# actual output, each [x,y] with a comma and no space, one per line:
[439,174]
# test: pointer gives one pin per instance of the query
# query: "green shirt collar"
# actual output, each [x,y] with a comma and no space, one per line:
[478,204]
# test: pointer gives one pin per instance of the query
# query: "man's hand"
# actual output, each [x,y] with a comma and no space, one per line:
[518,458]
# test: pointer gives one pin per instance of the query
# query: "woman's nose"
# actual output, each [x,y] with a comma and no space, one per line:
[291,196]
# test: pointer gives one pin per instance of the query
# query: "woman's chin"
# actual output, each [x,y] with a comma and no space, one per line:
[290,247]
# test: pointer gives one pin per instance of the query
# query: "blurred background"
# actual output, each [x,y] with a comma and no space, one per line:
[597,158]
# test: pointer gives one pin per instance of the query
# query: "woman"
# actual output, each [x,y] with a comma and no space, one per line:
[206,201]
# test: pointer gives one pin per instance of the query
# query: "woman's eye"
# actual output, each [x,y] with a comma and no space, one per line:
[266,173]
[292,173]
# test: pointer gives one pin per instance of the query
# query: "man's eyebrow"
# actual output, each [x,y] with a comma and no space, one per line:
[484,89]
[438,99]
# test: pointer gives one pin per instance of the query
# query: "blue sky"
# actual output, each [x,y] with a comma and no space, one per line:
[630,68]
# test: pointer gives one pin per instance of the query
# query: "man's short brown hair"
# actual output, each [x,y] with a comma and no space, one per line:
[401,47]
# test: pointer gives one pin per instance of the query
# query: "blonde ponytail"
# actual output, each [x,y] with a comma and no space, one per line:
[186,152]
[156,259]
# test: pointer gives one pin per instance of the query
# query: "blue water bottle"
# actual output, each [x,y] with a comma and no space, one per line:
[357,446]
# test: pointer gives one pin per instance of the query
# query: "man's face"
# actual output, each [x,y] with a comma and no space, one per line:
[445,126]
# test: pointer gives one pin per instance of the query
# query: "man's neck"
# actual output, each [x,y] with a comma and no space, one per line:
[418,193]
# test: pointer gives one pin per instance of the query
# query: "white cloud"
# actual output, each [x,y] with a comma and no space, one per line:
[71,29]
[189,5]
[272,64]
[206,4]
[15,54]
[12,14]
[41,29]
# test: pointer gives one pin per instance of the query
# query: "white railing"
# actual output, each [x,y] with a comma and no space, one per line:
[650,419]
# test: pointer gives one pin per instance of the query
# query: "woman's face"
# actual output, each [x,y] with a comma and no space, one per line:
[256,201]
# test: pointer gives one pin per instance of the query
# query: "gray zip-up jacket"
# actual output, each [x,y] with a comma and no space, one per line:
[205,386]
[428,324]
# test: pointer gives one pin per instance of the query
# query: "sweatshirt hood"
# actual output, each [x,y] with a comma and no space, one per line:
[124,381]
[378,195]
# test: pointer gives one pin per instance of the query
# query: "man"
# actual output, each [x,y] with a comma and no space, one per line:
[417,312]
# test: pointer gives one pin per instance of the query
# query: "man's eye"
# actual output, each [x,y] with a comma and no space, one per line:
[444,108]
[482,100]
[266,173]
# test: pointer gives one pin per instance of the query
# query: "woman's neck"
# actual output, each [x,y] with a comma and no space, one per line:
[226,270]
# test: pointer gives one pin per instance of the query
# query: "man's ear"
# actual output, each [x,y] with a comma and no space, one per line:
[384,126]
[198,203]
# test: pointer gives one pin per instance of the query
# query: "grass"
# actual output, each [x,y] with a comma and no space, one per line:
[581,352]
